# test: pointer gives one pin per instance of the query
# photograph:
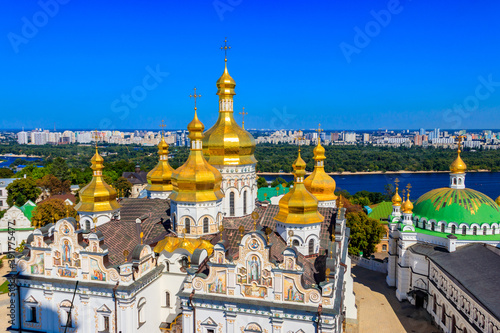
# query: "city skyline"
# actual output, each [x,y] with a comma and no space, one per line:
[349,66]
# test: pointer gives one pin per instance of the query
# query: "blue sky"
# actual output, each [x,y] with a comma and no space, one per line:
[346,64]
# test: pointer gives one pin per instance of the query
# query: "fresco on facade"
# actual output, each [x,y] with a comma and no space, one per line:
[57,258]
[96,273]
[219,285]
[255,291]
[328,289]
[291,292]
[66,271]
[38,266]
[253,265]
[66,252]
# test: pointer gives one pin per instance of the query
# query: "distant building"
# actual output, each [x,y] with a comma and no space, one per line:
[334,136]
[18,219]
[138,179]
[22,138]
[417,140]
[366,137]
[4,182]
[350,137]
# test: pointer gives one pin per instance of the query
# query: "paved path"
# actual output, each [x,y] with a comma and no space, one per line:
[380,311]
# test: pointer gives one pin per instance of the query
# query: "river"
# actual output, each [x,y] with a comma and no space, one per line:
[485,182]
[8,160]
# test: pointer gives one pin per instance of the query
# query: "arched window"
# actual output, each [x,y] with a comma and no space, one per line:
[167,266]
[453,324]
[245,203]
[493,230]
[484,231]
[384,247]
[453,229]
[187,225]
[434,305]
[474,231]
[311,246]
[465,330]
[295,242]
[87,225]
[141,312]
[464,230]
[231,204]
[205,225]
[443,315]
[167,299]
[423,224]
[442,227]
[433,225]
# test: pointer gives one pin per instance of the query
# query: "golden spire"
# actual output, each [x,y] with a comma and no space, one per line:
[243,113]
[319,183]
[196,180]
[408,206]
[97,196]
[226,143]
[396,199]
[458,165]
[299,206]
[160,178]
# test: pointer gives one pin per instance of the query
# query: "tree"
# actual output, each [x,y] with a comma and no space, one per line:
[60,169]
[50,211]
[261,182]
[22,190]
[6,173]
[277,181]
[123,187]
[54,185]
[32,171]
[365,233]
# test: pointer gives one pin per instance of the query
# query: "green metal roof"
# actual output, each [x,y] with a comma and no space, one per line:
[27,209]
[271,192]
[381,211]
[459,236]
[457,205]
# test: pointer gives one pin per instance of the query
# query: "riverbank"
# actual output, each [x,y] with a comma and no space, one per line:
[348,173]
[21,155]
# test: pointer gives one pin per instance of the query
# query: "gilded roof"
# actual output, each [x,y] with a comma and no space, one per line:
[97,196]
[171,243]
[160,178]
[319,183]
[396,198]
[457,205]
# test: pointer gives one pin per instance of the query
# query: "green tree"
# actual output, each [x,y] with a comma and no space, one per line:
[277,181]
[22,190]
[54,185]
[6,173]
[261,182]
[50,211]
[32,171]
[60,169]
[365,233]
[123,187]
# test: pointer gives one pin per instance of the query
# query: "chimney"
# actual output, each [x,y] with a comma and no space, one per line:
[452,243]
[137,168]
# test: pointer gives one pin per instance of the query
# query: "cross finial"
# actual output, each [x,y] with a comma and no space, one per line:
[300,138]
[243,113]
[319,130]
[225,48]
[162,128]
[396,181]
[460,138]
[408,187]
[195,96]
[96,137]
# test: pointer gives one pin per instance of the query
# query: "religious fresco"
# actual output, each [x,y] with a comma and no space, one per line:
[253,265]
[291,292]
[328,289]
[95,272]
[219,285]
[66,271]
[39,266]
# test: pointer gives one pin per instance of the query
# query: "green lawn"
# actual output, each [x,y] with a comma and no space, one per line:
[4,288]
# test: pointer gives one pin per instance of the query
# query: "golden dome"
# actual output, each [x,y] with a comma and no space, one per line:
[97,196]
[299,206]
[170,244]
[319,183]
[196,180]
[396,199]
[160,178]
[226,143]
[407,205]
[458,165]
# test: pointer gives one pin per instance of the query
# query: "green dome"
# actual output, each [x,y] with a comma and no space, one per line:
[457,205]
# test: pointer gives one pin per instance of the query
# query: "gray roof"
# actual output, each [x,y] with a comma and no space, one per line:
[6,181]
[474,267]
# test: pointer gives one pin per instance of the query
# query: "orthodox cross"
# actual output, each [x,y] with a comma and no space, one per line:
[319,130]
[195,96]
[408,187]
[225,48]
[396,181]
[163,127]
[96,137]
[243,113]
[460,138]
[300,138]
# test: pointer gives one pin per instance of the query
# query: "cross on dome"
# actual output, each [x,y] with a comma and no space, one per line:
[195,96]
[225,48]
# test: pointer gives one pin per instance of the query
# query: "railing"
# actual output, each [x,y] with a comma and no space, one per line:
[372,265]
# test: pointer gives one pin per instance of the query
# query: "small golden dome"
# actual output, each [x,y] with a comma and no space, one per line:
[407,205]
[396,199]
[97,196]
[458,165]
[196,180]
[498,200]
[226,143]
[160,178]
[299,206]
[319,183]
[170,244]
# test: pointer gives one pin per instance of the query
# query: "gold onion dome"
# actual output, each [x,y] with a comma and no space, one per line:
[497,200]
[160,178]
[170,244]
[299,206]
[319,183]
[458,165]
[226,143]
[196,180]
[407,205]
[396,198]
[97,196]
